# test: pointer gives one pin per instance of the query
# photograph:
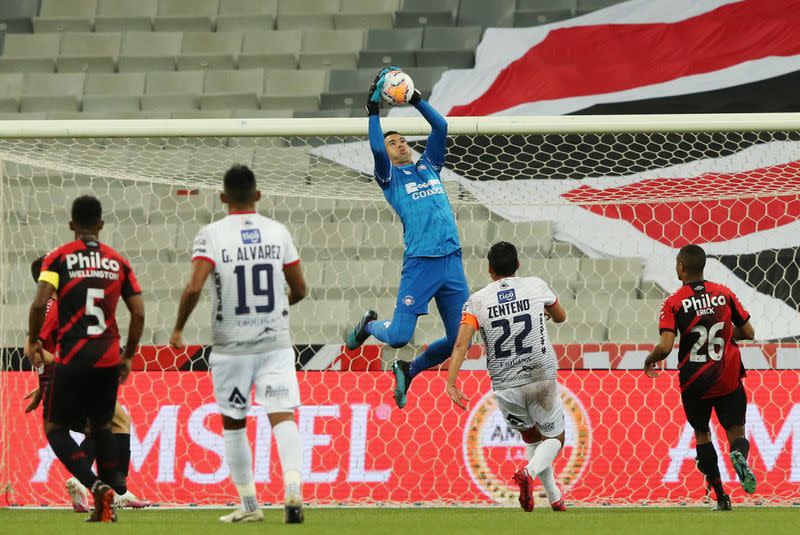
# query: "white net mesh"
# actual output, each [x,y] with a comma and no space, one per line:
[599,217]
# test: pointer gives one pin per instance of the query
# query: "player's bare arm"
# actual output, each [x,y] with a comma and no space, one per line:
[556,312]
[296,282]
[38,310]
[660,352]
[465,334]
[135,305]
[745,332]
[201,269]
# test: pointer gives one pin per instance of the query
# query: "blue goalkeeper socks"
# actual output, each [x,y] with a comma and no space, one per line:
[435,354]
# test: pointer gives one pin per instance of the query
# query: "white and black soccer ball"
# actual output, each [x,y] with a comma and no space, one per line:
[398,88]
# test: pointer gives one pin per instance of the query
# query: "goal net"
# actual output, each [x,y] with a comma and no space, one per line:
[597,206]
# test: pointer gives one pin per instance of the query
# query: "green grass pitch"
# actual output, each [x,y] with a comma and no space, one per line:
[460,521]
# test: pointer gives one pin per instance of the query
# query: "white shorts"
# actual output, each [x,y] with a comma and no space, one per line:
[272,373]
[533,405]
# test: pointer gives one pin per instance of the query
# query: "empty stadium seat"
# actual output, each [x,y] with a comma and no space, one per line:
[16,15]
[270,50]
[246,15]
[634,321]
[225,90]
[65,16]
[416,13]
[391,47]
[178,205]
[494,14]
[330,49]
[558,273]
[346,88]
[113,92]
[186,15]
[172,91]
[365,14]
[30,53]
[617,276]
[454,47]
[149,51]
[318,321]
[298,90]
[586,6]
[209,50]
[10,92]
[96,52]
[306,14]
[125,15]
[51,92]
[532,238]
[145,242]
[527,18]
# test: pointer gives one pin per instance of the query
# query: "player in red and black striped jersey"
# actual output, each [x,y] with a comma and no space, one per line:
[709,319]
[88,278]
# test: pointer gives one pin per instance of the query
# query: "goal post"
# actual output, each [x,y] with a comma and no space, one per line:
[597,206]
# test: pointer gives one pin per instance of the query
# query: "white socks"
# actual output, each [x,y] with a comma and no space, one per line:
[290,451]
[240,463]
[541,456]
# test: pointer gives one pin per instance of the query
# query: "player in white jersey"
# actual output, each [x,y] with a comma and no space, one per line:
[511,313]
[252,259]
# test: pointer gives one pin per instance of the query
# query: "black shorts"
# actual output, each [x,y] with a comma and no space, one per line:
[730,408]
[79,395]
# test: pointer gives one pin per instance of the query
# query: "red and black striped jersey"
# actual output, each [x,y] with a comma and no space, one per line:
[704,314]
[89,278]
[50,328]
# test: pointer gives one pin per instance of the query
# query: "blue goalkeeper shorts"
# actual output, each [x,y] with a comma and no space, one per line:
[424,278]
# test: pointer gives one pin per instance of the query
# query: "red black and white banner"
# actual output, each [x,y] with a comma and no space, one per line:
[641,56]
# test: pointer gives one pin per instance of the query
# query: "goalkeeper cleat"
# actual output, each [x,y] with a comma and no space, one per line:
[402,380]
[78,495]
[130,500]
[103,503]
[240,516]
[723,503]
[746,476]
[359,334]
[525,482]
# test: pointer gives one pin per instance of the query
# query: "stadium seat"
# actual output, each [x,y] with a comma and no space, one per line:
[634,321]
[65,16]
[270,50]
[145,242]
[82,52]
[283,113]
[30,53]
[186,15]
[113,92]
[51,92]
[125,16]
[306,14]
[426,77]
[34,240]
[319,321]
[454,47]
[350,276]
[530,238]
[391,47]
[531,5]
[16,279]
[526,18]
[563,249]
[225,90]
[558,273]
[475,237]
[346,88]
[16,15]
[417,13]
[298,90]
[209,50]
[285,163]
[586,6]
[149,51]
[172,91]
[617,276]
[651,290]
[177,205]
[326,49]
[246,15]
[10,92]
[494,14]
[365,14]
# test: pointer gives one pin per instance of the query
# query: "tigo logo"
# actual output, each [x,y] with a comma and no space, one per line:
[251,236]
[507,296]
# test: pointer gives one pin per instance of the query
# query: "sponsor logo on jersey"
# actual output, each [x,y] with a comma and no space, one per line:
[703,303]
[276,391]
[492,449]
[91,260]
[251,236]
[506,296]
[411,187]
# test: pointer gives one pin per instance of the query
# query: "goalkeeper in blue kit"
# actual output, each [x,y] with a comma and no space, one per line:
[432,266]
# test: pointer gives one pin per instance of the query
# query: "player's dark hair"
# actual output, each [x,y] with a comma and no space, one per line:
[503,259]
[391,133]
[693,257]
[86,211]
[36,268]
[240,184]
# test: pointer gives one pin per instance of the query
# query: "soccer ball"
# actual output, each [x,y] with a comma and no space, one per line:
[398,88]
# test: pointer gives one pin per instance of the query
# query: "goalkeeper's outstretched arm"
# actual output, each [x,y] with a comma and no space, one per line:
[383,167]
[436,148]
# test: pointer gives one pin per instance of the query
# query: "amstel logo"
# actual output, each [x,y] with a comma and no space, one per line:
[493,451]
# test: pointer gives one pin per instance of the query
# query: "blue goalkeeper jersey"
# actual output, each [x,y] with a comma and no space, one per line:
[416,192]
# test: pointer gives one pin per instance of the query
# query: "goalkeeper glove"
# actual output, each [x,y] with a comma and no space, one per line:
[374,93]
[416,97]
